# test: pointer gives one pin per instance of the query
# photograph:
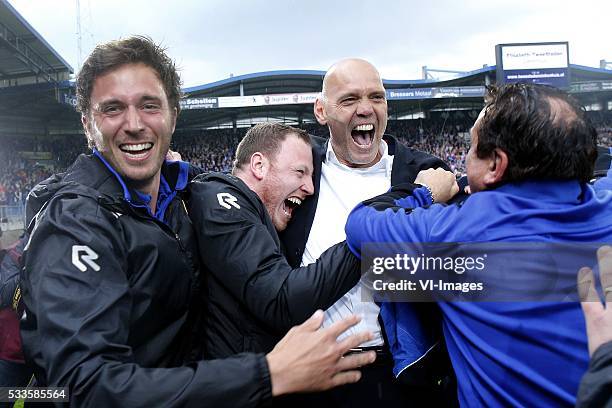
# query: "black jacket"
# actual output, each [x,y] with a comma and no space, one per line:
[434,368]
[107,288]
[596,385]
[254,297]
[407,163]
[603,163]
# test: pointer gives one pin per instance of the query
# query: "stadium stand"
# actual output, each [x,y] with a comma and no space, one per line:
[214,149]
[40,131]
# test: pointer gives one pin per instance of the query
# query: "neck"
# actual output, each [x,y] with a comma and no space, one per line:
[251,182]
[153,202]
[149,187]
[358,165]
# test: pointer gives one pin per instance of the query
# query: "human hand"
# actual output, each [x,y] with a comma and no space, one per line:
[173,156]
[598,316]
[310,359]
[442,183]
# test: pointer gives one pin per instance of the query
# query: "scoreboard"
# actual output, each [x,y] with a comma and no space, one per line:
[540,63]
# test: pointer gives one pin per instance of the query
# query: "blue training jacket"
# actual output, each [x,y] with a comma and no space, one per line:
[504,353]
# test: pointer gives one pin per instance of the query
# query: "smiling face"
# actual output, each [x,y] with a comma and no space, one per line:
[131,123]
[354,107]
[288,180]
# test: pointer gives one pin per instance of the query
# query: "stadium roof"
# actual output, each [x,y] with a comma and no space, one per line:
[27,100]
[290,81]
[583,73]
[585,80]
[32,78]
[36,97]
[259,83]
[294,81]
[25,56]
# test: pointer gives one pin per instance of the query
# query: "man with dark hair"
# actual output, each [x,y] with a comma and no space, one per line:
[253,295]
[113,54]
[532,152]
[560,127]
[111,268]
[357,162]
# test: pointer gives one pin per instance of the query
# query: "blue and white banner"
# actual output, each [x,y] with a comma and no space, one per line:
[434,93]
[534,63]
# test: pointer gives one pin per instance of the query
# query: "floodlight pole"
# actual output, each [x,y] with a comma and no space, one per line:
[427,72]
[79,34]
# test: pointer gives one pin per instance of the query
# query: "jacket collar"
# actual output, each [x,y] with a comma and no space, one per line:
[554,191]
[174,177]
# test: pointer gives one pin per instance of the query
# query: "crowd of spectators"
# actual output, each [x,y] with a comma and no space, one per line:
[449,141]
[65,149]
[213,150]
[17,176]
[602,120]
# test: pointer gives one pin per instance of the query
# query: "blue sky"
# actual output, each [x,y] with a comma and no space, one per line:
[211,39]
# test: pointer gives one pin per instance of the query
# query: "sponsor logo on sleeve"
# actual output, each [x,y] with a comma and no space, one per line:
[226,200]
[84,257]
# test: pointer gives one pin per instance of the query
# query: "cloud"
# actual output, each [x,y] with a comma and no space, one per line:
[214,38]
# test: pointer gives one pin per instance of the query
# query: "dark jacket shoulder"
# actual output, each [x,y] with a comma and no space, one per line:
[211,192]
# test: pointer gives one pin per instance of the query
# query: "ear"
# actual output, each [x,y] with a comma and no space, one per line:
[174,115]
[85,123]
[259,165]
[319,111]
[498,163]
[87,127]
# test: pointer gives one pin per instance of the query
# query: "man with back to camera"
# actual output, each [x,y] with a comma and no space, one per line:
[110,268]
[356,164]
[252,294]
[532,154]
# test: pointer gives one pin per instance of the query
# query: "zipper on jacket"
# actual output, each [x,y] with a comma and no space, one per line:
[180,242]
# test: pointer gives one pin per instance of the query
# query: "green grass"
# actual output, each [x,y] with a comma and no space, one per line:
[18,404]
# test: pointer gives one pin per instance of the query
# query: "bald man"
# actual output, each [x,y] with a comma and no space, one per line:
[357,162]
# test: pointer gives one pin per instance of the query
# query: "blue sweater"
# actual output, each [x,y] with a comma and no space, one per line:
[504,353]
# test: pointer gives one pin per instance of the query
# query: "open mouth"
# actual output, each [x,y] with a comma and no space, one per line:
[136,150]
[363,135]
[291,204]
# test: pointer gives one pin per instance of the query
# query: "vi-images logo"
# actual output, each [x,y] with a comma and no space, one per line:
[81,255]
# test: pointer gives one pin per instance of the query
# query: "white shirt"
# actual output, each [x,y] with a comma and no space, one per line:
[341,189]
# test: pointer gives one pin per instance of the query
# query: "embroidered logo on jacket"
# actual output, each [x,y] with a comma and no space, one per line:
[88,257]
[226,200]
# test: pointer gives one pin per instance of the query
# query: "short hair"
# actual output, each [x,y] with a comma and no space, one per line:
[543,130]
[265,138]
[114,54]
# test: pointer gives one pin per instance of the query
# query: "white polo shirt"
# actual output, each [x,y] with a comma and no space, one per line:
[341,189]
